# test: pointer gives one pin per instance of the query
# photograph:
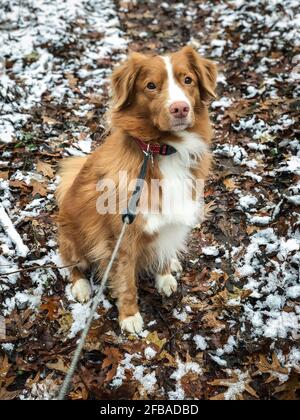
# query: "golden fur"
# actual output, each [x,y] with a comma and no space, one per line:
[85,236]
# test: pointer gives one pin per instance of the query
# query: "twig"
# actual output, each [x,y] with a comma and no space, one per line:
[38,267]
[12,233]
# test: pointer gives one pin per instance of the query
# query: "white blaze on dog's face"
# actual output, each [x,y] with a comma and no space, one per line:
[178,105]
[167,90]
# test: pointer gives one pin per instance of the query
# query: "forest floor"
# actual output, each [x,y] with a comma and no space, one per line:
[232,329]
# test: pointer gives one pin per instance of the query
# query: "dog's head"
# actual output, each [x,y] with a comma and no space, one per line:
[169,91]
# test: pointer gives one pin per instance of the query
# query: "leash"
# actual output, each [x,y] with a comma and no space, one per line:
[128,217]
[66,384]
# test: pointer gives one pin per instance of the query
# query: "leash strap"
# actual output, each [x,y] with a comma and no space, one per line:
[130,213]
[97,299]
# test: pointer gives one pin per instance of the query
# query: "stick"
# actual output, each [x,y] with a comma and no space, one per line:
[38,267]
[11,232]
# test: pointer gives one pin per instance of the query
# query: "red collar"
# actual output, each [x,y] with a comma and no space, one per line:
[155,149]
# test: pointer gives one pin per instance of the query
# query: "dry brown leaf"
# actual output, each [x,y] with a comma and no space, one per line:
[18,184]
[4,368]
[4,174]
[38,188]
[65,321]
[112,360]
[59,366]
[220,299]
[252,229]
[73,81]
[288,390]
[45,169]
[170,359]
[153,338]
[229,184]
[216,276]
[237,385]
[7,395]
[49,120]
[210,320]
[51,306]
[274,368]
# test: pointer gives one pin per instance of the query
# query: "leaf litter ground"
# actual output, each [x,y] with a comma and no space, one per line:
[232,329]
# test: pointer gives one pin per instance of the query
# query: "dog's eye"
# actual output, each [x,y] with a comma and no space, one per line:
[188,80]
[151,86]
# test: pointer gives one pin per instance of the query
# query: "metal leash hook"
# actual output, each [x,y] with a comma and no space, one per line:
[128,217]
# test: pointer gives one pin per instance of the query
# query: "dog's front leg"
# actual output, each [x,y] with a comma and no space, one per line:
[124,289]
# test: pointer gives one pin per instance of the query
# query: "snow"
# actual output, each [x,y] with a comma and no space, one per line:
[281,325]
[8,347]
[224,102]
[293,292]
[238,387]
[221,362]
[211,251]
[259,220]
[178,374]
[267,281]
[228,347]
[181,315]
[149,353]
[146,379]
[200,342]
[248,201]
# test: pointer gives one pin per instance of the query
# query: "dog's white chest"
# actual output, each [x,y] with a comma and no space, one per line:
[178,206]
[179,211]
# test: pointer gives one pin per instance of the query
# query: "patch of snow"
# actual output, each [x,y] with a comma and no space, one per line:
[200,341]
[211,251]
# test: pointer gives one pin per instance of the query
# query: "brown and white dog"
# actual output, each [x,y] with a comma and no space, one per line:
[157,100]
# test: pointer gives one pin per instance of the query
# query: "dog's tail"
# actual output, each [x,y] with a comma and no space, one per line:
[68,170]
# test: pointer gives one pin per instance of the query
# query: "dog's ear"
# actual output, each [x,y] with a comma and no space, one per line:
[206,72]
[123,81]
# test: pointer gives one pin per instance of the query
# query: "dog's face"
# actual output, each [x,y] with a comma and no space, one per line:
[167,90]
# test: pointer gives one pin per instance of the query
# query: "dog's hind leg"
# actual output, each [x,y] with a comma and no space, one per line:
[165,282]
[81,289]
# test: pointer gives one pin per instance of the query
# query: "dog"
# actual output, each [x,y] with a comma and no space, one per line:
[158,103]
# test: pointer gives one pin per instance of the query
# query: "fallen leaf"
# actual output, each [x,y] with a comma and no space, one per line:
[237,385]
[45,169]
[274,369]
[210,320]
[288,390]
[170,359]
[153,338]
[59,366]
[49,120]
[230,184]
[4,174]
[112,360]
[38,188]
[18,184]
[51,306]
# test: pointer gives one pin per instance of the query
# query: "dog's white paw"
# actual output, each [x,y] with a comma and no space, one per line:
[175,266]
[132,324]
[81,290]
[166,284]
